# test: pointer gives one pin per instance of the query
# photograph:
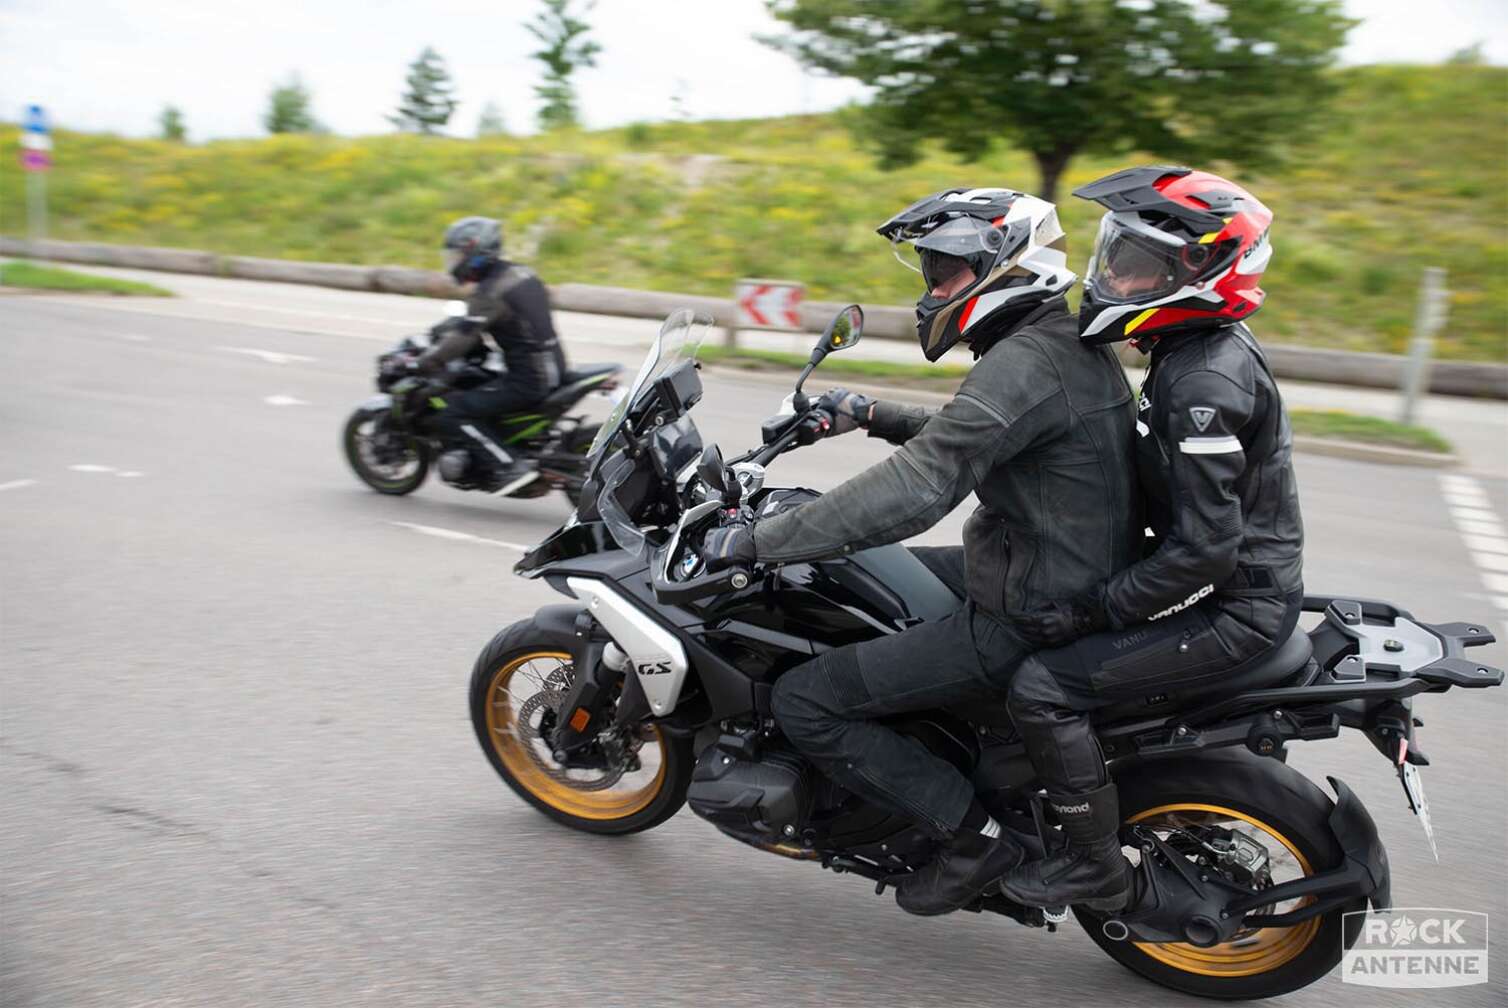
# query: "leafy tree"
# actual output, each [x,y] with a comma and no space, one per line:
[565,50]
[288,109]
[170,123]
[490,122]
[429,98]
[1472,55]
[1191,80]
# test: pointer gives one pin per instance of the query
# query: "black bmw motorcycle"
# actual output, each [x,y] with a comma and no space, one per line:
[391,439]
[652,690]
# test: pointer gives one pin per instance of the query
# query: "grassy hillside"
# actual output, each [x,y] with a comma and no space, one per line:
[1410,173]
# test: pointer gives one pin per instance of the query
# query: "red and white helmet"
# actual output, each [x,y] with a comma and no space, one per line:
[1178,250]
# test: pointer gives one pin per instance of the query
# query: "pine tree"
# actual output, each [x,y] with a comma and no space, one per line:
[170,122]
[565,51]
[429,98]
[288,109]
[490,122]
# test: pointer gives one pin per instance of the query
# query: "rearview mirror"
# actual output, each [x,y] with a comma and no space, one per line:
[841,333]
[844,330]
[710,469]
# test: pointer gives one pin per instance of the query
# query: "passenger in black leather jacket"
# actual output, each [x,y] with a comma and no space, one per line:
[510,305]
[1176,267]
[1039,431]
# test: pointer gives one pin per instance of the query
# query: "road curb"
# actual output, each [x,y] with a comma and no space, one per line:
[1333,367]
[1385,454]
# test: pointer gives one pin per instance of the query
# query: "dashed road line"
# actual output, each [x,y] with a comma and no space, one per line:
[284,400]
[270,356]
[17,484]
[90,467]
[452,534]
[1481,531]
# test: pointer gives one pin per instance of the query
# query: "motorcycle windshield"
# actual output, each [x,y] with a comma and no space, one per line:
[679,339]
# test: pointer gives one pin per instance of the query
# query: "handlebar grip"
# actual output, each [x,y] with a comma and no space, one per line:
[734,578]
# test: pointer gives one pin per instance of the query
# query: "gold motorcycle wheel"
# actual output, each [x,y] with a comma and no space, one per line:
[1259,950]
[516,695]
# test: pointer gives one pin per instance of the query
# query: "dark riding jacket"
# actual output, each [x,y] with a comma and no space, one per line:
[1214,454]
[1040,430]
[511,305]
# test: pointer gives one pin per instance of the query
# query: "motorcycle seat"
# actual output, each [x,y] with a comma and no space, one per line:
[1289,664]
[575,384]
[574,375]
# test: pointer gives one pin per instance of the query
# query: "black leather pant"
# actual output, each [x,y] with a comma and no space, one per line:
[1053,691]
[470,416]
[830,707]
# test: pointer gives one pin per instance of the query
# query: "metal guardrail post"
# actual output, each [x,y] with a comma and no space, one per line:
[1433,306]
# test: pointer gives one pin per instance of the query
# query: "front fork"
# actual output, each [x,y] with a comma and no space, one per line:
[599,667]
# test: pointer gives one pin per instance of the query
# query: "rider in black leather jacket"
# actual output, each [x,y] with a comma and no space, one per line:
[1177,264]
[1039,430]
[510,305]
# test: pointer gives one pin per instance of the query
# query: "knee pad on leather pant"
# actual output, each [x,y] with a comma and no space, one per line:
[1060,741]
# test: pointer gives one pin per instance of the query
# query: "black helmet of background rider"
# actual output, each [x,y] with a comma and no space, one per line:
[472,245]
[988,258]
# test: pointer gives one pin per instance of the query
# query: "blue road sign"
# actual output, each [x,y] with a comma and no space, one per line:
[36,119]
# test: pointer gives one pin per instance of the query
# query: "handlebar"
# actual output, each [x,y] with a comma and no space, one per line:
[680,592]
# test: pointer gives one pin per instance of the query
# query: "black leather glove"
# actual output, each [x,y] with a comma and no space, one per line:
[729,546]
[849,410]
[1063,621]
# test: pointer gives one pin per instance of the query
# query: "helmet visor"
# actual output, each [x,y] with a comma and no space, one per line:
[1133,261]
[955,254]
[453,257]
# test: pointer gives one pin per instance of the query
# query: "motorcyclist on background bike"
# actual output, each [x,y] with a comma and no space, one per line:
[1039,429]
[1175,269]
[509,304]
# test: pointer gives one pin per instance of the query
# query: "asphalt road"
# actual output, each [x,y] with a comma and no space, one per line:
[235,758]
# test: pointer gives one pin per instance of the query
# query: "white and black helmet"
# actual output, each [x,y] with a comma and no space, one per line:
[991,252]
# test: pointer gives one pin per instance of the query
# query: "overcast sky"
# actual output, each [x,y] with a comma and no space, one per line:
[113,64]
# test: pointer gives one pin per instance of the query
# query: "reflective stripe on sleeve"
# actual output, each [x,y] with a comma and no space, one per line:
[1209,445]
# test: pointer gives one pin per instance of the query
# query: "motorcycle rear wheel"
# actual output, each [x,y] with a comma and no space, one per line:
[525,661]
[1278,807]
[356,439]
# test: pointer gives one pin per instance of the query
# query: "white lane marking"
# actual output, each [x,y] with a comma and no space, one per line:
[284,400]
[90,467]
[17,484]
[270,356]
[1490,529]
[1481,531]
[452,534]
[129,474]
[298,311]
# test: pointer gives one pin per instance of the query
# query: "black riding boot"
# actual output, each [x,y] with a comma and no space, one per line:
[965,866]
[1090,870]
[1063,750]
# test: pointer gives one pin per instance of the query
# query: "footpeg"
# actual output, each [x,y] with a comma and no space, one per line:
[1055,915]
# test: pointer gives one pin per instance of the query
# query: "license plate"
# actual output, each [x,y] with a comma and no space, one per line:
[1413,786]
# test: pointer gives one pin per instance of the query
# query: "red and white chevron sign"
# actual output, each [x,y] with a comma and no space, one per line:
[768,304]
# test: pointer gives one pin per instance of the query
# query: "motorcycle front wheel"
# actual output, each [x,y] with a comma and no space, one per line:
[517,686]
[389,461]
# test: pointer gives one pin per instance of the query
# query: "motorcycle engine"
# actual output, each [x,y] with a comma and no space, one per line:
[763,801]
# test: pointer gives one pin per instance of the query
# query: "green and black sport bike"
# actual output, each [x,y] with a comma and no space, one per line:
[392,438]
